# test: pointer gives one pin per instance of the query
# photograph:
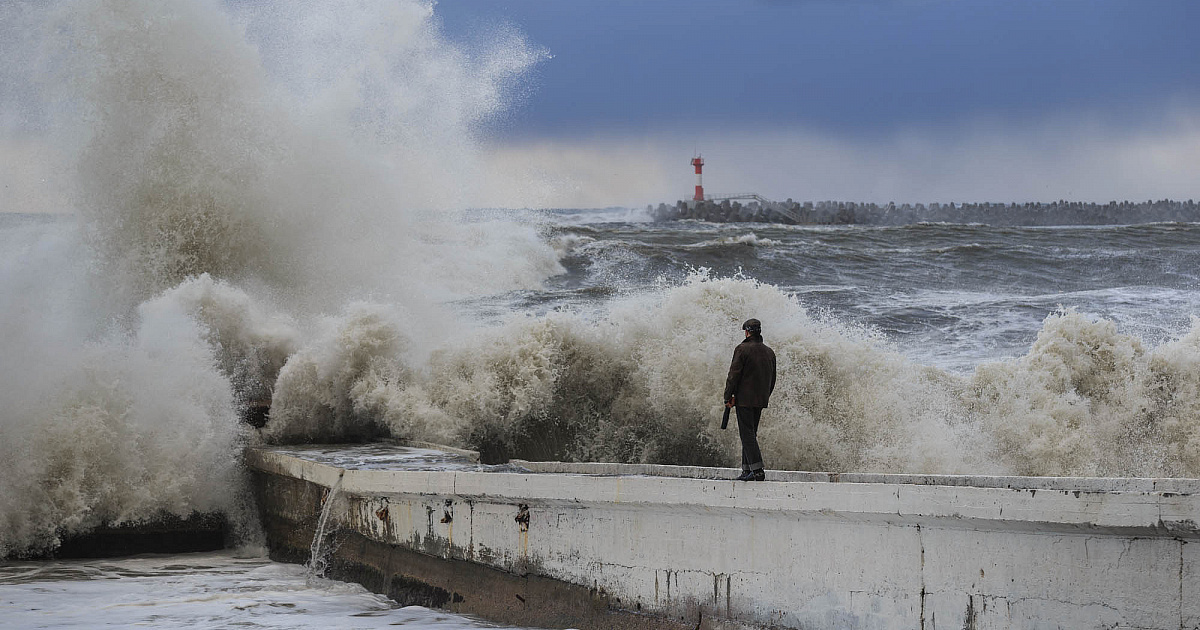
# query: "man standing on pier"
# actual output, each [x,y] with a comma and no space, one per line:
[748,387]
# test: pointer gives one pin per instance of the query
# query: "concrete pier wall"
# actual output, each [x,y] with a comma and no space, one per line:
[689,547]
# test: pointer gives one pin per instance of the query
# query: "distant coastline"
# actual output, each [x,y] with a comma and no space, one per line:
[999,214]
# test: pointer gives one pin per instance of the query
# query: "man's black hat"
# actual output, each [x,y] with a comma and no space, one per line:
[753,325]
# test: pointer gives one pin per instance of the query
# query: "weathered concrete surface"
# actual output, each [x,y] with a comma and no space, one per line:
[291,508]
[807,550]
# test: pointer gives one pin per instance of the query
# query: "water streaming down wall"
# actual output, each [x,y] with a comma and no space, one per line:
[318,559]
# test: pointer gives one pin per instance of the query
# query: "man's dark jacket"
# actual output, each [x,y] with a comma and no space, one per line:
[752,373]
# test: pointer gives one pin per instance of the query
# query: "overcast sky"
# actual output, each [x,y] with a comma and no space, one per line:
[875,100]
[855,100]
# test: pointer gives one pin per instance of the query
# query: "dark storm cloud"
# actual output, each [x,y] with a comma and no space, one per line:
[862,68]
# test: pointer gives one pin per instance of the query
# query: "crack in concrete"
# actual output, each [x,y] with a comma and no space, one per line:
[993,599]
[921,541]
[1181,544]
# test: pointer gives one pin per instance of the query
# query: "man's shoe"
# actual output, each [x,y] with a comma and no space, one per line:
[758,475]
[746,476]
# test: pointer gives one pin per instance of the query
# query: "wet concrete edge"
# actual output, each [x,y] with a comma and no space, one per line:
[291,507]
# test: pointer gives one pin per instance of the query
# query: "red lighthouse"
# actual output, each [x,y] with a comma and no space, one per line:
[698,162]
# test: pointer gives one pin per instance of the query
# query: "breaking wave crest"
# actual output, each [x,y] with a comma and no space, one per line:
[748,240]
[133,424]
[1090,401]
[643,385]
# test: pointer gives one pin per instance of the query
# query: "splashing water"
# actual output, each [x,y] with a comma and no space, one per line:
[236,174]
[642,384]
[268,202]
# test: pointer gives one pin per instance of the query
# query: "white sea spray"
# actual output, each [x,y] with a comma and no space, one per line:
[643,384]
[1088,400]
[230,199]
[268,206]
[138,424]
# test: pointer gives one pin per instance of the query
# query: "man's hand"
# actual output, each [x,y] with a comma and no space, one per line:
[729,403]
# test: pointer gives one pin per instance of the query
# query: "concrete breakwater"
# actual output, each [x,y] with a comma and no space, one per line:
[645,546]
[1063,212]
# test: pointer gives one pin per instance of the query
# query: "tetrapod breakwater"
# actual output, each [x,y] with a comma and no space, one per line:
[751,208]
[647,546]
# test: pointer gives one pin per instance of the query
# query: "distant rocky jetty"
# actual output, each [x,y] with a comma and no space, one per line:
[847,213]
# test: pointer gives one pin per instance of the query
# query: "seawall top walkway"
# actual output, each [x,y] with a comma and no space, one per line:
[1164,506]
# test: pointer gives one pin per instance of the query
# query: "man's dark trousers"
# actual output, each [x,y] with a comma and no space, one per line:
[748,428]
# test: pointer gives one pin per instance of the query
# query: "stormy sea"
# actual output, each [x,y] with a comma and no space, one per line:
[241,217]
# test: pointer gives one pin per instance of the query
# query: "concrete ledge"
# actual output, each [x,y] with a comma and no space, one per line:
[998,502]
[689,545]
[291,508]
[1068,484]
